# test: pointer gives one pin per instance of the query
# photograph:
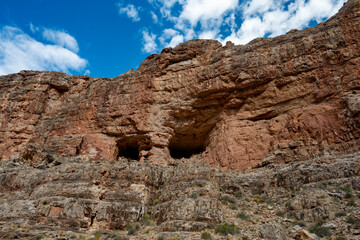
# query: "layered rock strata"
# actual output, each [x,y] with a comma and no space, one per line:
[274,100]
[72,195]
[160,149]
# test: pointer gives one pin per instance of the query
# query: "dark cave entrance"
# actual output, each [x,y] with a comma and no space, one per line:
[130,147]
[187,145]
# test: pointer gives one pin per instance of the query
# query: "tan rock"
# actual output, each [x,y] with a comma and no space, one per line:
[305,235]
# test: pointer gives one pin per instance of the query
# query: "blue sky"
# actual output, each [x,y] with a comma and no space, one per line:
[108,37]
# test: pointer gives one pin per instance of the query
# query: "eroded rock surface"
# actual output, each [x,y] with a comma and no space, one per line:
[264,136]
[275,100]
[70,194]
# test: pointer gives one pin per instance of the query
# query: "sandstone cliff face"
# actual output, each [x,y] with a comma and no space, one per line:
[273,100]
[80,154]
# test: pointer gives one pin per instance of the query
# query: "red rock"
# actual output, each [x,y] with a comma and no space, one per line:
[280,99]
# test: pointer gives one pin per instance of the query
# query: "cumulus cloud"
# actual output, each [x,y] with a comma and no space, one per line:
[165,8]
[149,41]
[175,40]
[131,11]
[58,37]
[271,18]
[232,20]
[61,38]
[19,51]
[195,11]
[154,17]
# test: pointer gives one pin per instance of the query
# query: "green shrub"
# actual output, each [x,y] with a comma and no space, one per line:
[132,229]
[161,237]
[149,211]
[45,202]
[299,223]
[320,231]
[259,200]
[357,225]
[280,213]
[193,196]
[245,238]
[147,220]
[238,195]
[226,229]
[353,221]
[321,186]
[267,200]
[351,203]
[345,189]
[206,235]
[340,214]
[97,235]
[228,198]
[39,237]
[233,207]
[243,216]
[348,195]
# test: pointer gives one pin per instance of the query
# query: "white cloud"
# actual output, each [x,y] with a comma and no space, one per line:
[165,7]
[149,40]
[208,34]
[33,28]
[268,17]
[131,11]
[19,51]
[234,20]
[171,38]
[196,11]
[176,40]
[61,38]
[166,35]
[154,17]
[259,6]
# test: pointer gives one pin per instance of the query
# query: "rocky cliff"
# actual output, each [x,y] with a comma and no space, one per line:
[148,147]
[275,100]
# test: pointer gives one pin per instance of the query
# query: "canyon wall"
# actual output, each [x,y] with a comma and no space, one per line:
[274,100]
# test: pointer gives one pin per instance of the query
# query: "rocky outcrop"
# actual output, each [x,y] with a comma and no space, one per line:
[195,138]
[77,196]
[109,195]
[274,100]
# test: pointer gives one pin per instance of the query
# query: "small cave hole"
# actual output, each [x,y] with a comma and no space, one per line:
[130,147]
[128,150]
[187,145]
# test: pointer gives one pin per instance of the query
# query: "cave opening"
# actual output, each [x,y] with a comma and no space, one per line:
[187,145]
[130,147]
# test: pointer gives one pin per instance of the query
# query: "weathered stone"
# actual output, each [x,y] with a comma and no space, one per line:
[275,100]
[272,231]
[305,235]
[83,154]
